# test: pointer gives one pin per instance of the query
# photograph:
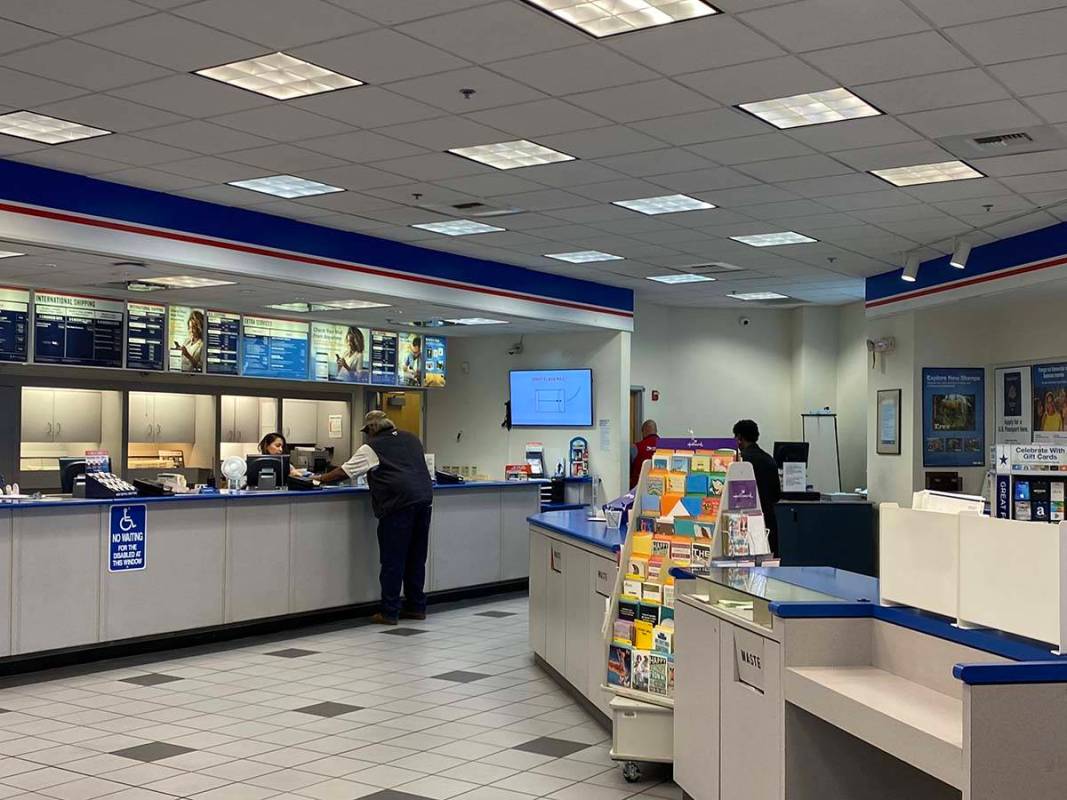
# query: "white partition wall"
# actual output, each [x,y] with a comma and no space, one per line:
[919,553]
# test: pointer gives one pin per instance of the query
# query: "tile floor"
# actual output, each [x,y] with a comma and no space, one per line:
[459,712]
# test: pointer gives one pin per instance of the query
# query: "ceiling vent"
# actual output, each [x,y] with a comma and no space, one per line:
[712,268]
[473,209]
[1004,143]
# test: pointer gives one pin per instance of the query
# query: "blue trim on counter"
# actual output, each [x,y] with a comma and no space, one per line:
[823,610]
[1019,672]
[576,525]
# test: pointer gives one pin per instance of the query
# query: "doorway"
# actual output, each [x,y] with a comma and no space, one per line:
[403,408]
[637,412]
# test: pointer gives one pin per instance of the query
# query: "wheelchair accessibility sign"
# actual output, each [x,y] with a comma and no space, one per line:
[128,538]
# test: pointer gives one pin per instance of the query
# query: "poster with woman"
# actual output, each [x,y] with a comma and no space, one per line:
[340,353]
[1049,402]
[185,333]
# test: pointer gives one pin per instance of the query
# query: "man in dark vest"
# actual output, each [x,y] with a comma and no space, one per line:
[401,494]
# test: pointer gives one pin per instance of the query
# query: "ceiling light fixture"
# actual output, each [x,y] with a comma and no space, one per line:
[288,186]
[961,254]
[813,108]
[458,227]
[911,268]
[927,173]
[187,282]
[297,308]
[346,305]
[48,130]
[756,296]
[279,76]
[10,254]
[665,204]
[680,277]
[609,17]
[511,155]
[143,286]
[583,256]
[774,239]
[477,321]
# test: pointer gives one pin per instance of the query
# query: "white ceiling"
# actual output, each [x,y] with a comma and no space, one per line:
[646,113]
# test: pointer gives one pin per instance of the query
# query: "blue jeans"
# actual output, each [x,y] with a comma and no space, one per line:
[403,540]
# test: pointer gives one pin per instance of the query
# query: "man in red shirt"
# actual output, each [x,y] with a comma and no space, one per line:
[643,450]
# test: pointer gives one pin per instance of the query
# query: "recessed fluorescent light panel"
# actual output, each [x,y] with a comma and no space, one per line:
[477,321]
[288,186]
[609,17]
[774,239]
[458,227]
[279,76]
[928,173]
[680,277]
[583,256]
[9,254]
[298,308]
[187,282]
[510,155]
[753,296]
[49,130]
[667,204]
[346,305]
[814,108]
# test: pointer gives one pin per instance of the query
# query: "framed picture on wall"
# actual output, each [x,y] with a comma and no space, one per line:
[888,420]
[953,417]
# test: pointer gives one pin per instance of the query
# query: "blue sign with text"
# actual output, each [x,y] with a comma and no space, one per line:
[128,538]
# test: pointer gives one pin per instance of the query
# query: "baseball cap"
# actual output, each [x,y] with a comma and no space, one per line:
[376,421]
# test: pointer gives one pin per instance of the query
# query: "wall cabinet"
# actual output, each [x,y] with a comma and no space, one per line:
[60,415]
[162,417]
[240,418]
[300,421]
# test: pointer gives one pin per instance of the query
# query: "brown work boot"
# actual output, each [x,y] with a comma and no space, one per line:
[381,619]
[412,615]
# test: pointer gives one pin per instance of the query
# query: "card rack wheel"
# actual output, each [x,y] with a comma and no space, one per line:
[631,771]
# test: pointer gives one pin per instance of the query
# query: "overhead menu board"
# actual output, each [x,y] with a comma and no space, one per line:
[223,338]
[383,354]
[76,330]
[409,360]
[185,335]
[275,348]
[14,325]
[340,353]
[146,326]
[435,352]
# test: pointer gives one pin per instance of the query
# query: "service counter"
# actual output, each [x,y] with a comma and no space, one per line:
[226,559]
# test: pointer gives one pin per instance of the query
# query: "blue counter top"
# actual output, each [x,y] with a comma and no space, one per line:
[575,524]
[329,491]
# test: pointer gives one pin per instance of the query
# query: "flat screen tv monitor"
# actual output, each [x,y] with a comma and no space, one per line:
[552,398]
[791,453]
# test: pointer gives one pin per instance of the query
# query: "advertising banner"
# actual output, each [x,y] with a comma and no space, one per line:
[1049,402]
[1011,393]
[954,417]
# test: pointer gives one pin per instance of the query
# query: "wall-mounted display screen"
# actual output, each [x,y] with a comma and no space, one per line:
[340,353]
[14,325]
[410,359]
[435,351]
[552,398]
[275,348]
[76,330]
[223,338]
[146,328]
[185,336]
[383,354]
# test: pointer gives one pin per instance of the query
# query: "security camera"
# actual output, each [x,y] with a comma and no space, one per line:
[517,348]
[744,322]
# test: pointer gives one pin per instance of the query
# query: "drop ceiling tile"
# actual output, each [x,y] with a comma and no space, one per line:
[294,210]
[282,123]
[347,202]
[894,155]
[590,214]
[392,12]
[433,167]
[612,140]
[656,162]
[15,37]
[543,200]
[530,222]
[203,137]
[354,176]
[887,59]
[227,195]
[958,12]
[758,80]
[348,222]
[927,230]
[406,215]
[1014,38]
[444,133]
[708,217]
[70,161]
[379,56]
[976,206]
[785,209]
[284,159]
[704,126]
[81,65]
[1033,76]
[793,169]
[625,189]
[673,236]
[1030,223]
[109,113]
[704,180]
[192,96]
[67,17]
[210,169]
[491,184]
[539,118]
[943,90]
[574,69]
[642,101]
[443,90]
[958,190]
[838,184]
[273,23]
[1022,164]
[152,179]
[431,196]
[172,42]
[877,199]
[12,144]
[751,148]
[361,146]
[698,44]
[978,118]
[867,132]
[367,107]
[20,90]
[747,196]
[1053,107]
[567,173]
[130,150]
[829,220]
[878,216]
[817,24]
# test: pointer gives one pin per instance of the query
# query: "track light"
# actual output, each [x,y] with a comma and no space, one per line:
[911,268]
[961,254]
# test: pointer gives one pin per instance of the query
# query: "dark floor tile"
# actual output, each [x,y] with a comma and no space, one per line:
[495,614]
[291,652]
[459,676]
[404,632]
[328,709]
[153,751]
[393,794]
[150,679]
[547,746]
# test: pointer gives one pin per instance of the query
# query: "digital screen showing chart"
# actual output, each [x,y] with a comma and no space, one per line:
[146,327]
[76,330]
[275,348]
[223,338]
[383,357]
[14,324]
